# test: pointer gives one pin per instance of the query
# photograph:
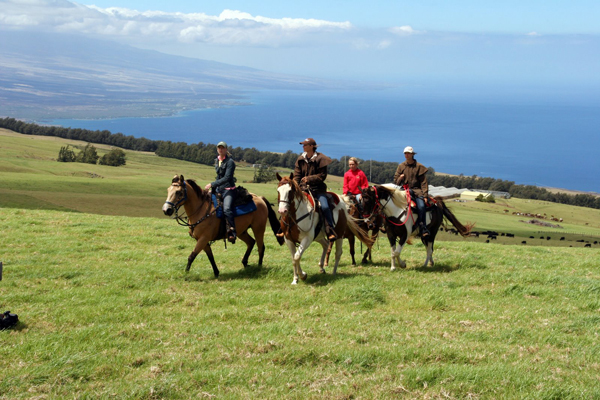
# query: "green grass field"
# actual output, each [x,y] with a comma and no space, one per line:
[96,275]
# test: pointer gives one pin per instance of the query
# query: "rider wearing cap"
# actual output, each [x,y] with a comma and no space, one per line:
[310,172]
[413,174]
[225,185]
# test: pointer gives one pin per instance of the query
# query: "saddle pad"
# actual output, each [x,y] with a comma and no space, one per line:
[237,210]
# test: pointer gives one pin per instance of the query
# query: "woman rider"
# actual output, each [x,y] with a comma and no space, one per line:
[225,185]
[354,179]
[310,172]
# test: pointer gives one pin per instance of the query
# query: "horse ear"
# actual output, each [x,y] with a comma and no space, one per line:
[279,178]
[291,176]
[181,178]
[175,179]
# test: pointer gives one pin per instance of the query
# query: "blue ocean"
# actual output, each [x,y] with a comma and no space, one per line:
[534,138]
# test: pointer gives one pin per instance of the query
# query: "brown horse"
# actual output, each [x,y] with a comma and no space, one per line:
[401,220]
[370,223]
[205,225]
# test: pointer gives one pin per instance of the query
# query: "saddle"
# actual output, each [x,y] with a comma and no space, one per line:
[430,203]
[238,209]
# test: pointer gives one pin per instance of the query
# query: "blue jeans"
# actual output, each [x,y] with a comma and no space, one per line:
[322,198]
[421,210]
[228,199]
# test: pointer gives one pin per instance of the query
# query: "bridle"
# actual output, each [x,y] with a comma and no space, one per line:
[183,220]
[378,208]
[292,215]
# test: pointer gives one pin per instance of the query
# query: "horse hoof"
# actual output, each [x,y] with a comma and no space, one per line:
[294,282]
[393,269]
[304,276]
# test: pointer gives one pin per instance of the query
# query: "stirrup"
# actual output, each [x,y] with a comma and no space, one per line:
[231,235]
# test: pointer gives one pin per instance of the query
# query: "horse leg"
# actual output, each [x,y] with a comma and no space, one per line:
[351,242]
[327,255]
[326,244]
[429,258]
[296,256]
[201,244]
[366,256]
[211,258]
[246,238]
[339,244]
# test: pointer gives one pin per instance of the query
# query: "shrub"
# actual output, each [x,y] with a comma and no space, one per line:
[115,158]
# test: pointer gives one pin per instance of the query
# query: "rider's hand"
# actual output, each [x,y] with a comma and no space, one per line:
[207,187]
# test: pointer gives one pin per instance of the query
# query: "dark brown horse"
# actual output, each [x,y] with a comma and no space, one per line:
[205,225]
[369,224]
[401,220]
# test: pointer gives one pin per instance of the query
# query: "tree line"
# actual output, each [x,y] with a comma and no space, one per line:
[376,171]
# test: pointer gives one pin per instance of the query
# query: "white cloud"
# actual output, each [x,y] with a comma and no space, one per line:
[403,30]
[533,34]
[231,27]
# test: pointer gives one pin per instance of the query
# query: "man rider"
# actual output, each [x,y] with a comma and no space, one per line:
[413,174]
[310,172]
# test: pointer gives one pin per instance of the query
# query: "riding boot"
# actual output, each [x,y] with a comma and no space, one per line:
[231,234]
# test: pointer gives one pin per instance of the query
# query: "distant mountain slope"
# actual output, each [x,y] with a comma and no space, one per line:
[62,76]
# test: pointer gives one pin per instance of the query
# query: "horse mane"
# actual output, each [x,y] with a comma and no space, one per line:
[398,196]
[202,194]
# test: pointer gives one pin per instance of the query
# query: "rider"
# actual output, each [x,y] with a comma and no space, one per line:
[413,174]
[310,172]
[354,180]
[225,185]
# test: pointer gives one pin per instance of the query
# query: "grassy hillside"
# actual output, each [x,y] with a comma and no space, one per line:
[107,311]
[31,178]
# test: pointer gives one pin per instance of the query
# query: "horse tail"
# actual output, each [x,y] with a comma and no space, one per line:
[273,221]
[463,230]
[360,233]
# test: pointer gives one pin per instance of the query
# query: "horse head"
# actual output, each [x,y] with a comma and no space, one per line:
[286,189]
[176,195]
[368,200]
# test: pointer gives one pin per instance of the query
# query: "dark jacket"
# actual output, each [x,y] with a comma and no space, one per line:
[315,171]
[414,176]
[225,172]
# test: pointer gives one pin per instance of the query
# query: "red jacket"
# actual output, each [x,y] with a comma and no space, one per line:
[354,181]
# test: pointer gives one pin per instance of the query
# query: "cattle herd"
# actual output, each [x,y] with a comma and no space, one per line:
[493,235]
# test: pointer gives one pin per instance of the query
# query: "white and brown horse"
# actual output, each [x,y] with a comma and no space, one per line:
[302,224]
[205,226]
[401,220]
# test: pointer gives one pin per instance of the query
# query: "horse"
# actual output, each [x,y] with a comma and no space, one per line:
[371,223]
[401,220]
[301,224]
[199,207]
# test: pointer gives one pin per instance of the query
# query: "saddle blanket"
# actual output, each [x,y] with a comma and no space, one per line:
[237,210]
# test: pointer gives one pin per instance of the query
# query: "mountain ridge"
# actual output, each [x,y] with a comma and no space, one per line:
[49,75]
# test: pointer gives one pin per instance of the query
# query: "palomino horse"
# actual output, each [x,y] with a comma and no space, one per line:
[205,229]
[401,220]
[302,225]
[370,225]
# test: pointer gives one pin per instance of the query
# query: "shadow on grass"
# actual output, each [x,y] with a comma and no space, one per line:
[447,268]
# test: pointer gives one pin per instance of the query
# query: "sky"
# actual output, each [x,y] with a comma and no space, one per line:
[504,42]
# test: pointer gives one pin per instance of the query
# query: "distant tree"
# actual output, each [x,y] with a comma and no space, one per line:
[65,154]
[114,158]
[263,173]
[88,155]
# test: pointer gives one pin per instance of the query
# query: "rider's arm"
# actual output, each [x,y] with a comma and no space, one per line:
[398,178]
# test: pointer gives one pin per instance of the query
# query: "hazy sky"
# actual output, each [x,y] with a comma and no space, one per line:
[498,42]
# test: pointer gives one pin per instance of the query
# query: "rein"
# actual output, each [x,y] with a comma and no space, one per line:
[184,221]
[382,207]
